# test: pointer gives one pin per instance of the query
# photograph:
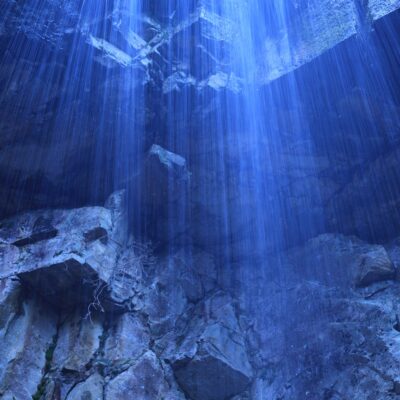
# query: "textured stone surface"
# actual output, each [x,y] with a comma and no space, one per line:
[361,205]
[90,389]
[375,266]
[319,320]
[86,349]
[380,8]
[144,380]
[78,340]
[62,254]
[126,340]
[341,260]
[213,351]
[317,26]
[347,350]
[165,176]
[25,338]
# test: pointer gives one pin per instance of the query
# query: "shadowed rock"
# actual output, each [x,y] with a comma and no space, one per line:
[64,284]
[165,184]
[337,260]
[26,331]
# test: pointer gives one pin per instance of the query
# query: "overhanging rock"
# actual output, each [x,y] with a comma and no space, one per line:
[65,256]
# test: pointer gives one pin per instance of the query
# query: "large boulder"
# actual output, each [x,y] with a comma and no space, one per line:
[143,381]
[211,362]
[65,256]
[374,266]
[337,260]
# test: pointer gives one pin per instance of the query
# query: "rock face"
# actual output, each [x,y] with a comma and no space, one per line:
[183,327]
[109,323]
[91,389]
[165,183]
[344,261]
[62,254]
[213,352]
[144,380]
[334,339]
[27,332]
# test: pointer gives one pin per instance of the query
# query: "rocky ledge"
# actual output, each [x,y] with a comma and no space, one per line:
[86,312]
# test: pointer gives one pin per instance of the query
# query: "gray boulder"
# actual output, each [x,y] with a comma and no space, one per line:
[142,381]
[375,266]
[65,256]
[212,363]
[338,260]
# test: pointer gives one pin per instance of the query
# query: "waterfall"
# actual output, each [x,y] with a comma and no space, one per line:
[201,197]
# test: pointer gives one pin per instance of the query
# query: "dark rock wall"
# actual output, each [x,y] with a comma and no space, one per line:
[329,154]
[63,145]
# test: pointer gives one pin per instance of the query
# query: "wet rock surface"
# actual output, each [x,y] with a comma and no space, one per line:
[190,331]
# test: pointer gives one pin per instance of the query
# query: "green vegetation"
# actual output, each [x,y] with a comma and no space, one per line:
[41,389]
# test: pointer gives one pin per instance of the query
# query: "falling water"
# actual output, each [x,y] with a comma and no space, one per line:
[273,107]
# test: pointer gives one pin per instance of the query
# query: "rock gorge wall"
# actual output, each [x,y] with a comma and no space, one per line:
[88,313]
